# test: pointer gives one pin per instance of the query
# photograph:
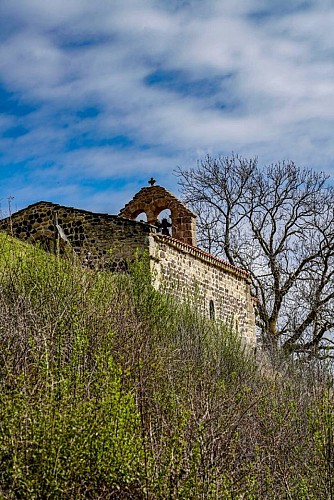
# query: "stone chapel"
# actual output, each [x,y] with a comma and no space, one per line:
[178,266]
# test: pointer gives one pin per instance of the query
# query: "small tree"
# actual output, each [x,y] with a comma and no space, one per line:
[277,223]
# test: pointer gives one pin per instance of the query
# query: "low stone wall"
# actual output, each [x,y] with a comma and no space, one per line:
[222,291]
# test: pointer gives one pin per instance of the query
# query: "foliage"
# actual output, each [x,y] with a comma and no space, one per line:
[110,390]
[69,429]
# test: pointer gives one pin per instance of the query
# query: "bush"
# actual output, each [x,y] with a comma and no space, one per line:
[68,427]
[109,389]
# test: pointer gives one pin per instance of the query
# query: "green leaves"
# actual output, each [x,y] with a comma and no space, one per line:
[109,389]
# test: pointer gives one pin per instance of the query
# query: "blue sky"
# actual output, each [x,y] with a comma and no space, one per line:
[98,95]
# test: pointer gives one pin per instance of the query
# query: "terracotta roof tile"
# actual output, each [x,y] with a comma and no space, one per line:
[202,253]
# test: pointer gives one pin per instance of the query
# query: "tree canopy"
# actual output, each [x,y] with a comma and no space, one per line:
[276,222]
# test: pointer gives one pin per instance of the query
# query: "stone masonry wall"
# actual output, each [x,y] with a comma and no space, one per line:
[98,240]
[188,272]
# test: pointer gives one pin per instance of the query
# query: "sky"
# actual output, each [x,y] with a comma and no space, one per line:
[97,96]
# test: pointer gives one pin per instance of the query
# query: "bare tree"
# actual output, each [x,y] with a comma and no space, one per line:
[276,222]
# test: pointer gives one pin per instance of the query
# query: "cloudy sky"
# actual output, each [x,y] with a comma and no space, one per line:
[98,95]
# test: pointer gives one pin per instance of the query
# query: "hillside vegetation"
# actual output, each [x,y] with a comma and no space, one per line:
[111,390]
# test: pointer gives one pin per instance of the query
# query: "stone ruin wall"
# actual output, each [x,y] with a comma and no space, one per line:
[97,240]
[185,272]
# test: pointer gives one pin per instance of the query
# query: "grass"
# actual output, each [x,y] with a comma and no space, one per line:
[110,390]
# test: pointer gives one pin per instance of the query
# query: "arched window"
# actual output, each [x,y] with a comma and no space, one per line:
[212,310]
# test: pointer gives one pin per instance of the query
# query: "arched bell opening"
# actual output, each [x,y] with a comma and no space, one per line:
[141,217]
[164,222]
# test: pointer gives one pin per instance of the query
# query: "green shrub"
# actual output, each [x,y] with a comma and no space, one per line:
[109,389]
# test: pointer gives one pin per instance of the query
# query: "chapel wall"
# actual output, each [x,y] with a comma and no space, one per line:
[186,272]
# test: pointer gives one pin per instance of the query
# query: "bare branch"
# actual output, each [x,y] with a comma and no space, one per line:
[276,222]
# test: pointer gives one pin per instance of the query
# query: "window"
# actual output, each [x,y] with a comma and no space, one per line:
[212,310]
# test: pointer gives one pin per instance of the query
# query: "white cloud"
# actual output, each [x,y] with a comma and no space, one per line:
[274,64]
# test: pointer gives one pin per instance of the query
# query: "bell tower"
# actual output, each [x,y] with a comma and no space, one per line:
[152,201]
